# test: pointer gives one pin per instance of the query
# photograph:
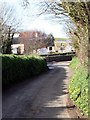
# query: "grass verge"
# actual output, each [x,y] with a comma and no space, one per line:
[78,87]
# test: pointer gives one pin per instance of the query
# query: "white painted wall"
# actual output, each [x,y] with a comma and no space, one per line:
[14,48]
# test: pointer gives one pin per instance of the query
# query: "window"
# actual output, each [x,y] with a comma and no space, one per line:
[50,48]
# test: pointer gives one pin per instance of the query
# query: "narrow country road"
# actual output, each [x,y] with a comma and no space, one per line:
[44,96]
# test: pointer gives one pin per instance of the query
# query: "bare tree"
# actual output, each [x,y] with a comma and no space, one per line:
[79,13]
[8,26]
[34,40]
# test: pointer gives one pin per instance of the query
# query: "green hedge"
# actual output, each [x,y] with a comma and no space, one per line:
[17,68]
[78,87]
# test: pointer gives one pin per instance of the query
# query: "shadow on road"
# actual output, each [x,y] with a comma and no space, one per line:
[43,97]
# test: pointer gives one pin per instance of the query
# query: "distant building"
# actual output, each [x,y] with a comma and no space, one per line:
[31,41]
[39,42]
[17,48]
[64,46]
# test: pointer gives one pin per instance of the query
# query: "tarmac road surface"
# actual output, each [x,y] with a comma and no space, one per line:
[44,96]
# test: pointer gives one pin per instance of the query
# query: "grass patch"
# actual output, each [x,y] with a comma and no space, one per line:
[78,87]
[75,63]
[61,38]
[17,68]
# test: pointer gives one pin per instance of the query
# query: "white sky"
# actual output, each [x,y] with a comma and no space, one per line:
[30,22]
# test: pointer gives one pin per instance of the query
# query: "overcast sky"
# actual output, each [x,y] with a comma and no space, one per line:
[29,20]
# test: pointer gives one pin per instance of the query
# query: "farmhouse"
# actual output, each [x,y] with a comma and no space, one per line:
[31,41]
[63,45]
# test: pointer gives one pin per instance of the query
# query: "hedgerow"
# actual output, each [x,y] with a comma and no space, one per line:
[78,87]
[17,68]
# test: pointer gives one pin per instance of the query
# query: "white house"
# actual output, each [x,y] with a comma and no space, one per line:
[17,48]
